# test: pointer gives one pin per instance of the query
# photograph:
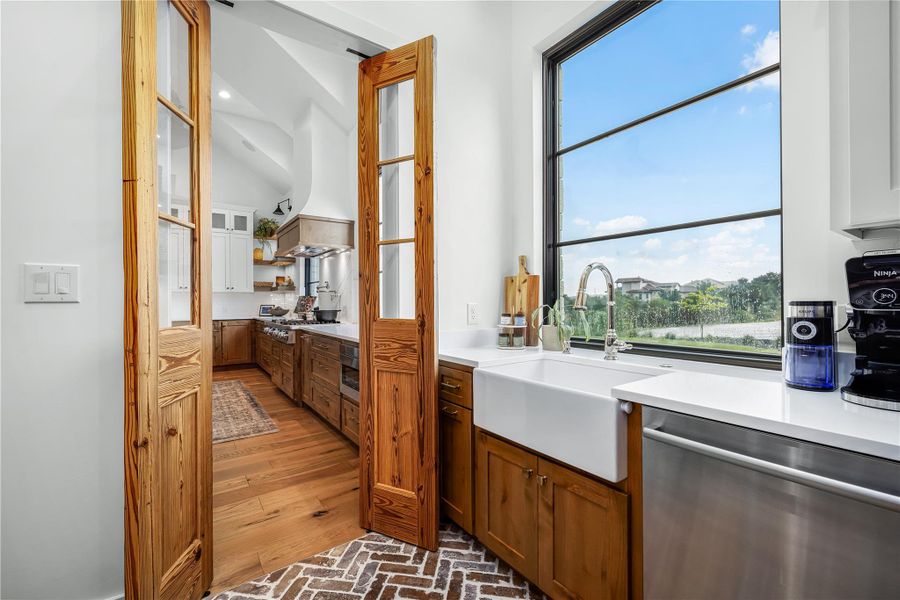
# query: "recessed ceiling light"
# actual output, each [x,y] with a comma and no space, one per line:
[224,94]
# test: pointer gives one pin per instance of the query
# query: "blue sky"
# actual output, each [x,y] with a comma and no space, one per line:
[714,158]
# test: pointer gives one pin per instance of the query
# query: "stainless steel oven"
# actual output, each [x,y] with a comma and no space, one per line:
[731,512]
[350,371]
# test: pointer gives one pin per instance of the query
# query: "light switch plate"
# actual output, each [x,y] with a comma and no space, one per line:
[47,284]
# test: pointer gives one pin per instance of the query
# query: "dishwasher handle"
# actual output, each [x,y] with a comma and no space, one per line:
[827,484]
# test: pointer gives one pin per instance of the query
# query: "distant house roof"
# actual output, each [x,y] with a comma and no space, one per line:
[633,280]
[688,288]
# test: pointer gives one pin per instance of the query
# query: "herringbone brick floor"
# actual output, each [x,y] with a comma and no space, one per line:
[378,567]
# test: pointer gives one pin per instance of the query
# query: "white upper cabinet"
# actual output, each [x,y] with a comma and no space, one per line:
[865,117]
[232,249]
[232,220]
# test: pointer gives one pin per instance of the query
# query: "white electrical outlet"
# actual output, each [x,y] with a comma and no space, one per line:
[472,313]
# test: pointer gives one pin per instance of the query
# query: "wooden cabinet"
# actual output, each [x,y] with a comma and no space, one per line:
[232,342]
[582,536]
[456,464]
[506,501]
[305,367]
[322,377]
[237,342]
[560,529]
[264,352]
[327,403]
[457,460]
[350,419]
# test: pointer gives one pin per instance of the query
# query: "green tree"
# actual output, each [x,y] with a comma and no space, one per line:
[702,307]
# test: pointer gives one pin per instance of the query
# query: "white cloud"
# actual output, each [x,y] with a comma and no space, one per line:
[653,244]
[742,110]
[748,29]
[581,222]
[618,224]
[765,53]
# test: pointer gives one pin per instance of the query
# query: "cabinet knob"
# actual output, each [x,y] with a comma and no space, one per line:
[542,479]
[528,473]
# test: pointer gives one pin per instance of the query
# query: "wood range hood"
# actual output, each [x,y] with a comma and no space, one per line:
[308,236]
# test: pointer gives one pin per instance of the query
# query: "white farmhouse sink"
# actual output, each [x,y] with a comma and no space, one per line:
[560,407]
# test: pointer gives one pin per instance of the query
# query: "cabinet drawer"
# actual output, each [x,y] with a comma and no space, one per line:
[328,346]
[456,464]
[350,419]
[327,371]
[327,404]
[455,385]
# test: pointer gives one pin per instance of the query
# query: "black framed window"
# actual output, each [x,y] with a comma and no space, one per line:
[663,161]
[310,276]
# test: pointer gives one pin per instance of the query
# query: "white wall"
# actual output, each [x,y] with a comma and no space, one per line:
[471,136]
[62,384]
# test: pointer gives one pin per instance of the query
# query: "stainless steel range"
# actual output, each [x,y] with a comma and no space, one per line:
[284,330]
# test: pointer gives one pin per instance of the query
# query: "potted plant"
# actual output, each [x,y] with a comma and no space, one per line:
[555,333]
[264,232]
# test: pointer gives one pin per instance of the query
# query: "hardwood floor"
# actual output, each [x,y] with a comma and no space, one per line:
[280,497]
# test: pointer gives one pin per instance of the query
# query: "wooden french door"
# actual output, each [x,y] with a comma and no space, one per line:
[168,327]
[398,361]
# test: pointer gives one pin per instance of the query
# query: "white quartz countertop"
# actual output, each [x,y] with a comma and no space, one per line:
[820,417]
[348,332]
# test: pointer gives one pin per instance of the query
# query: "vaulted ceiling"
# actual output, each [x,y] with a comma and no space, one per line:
[274,62]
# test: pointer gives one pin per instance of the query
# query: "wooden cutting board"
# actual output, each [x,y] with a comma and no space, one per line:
[528,295]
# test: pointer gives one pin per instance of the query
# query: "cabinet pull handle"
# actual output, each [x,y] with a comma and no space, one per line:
[528,473]
[542,479]
[449,386]
[449,411]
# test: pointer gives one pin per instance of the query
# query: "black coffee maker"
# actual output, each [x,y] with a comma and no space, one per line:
[874,283]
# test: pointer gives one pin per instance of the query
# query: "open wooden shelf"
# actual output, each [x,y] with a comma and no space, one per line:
[277,262]
[278,288]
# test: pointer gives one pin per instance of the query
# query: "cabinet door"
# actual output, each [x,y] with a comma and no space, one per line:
[240,222]
[217,343]
[219,245]
[456,464]
[506,516]
[240,263]
[220,220]
[306,368]
[236,343]
[583,536]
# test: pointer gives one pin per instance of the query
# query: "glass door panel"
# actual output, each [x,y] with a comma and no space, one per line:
[175,274]
[219,220]
[396,201]
[172,56]
[396,120]
[173,159]
[241,222]
[397,281]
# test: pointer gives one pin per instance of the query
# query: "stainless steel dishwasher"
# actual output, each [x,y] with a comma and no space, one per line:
[731,512]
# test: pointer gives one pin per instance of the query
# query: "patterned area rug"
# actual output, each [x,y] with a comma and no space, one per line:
[378,567]
[236,413]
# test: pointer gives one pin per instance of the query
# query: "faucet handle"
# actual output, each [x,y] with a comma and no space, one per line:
[623,345]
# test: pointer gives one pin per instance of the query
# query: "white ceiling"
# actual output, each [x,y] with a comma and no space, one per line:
[274,62]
